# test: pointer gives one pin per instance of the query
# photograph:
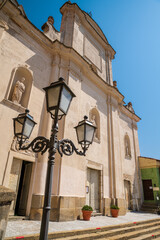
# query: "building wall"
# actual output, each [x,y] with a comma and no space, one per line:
[149,169]
[82,56]
[153,174]
[88,97]
[20,51]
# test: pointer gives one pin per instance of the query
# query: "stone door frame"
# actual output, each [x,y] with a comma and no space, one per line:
[98,167]
[23,157]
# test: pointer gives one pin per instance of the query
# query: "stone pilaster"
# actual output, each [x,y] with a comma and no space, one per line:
[62,208]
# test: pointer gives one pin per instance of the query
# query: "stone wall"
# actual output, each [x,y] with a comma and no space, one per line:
[121,203]
[6,197]
[62,208]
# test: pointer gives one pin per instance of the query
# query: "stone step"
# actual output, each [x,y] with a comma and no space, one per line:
[149,210]
[149,236]
[17,218]
[149,206]
[95,214]
[115,233]
[136,234]
[103,232]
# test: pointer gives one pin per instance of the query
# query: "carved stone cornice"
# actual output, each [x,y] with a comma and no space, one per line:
[71,54]
[128,113]
[3,25]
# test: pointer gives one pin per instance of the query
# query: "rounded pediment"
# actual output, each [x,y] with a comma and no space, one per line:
[95,26]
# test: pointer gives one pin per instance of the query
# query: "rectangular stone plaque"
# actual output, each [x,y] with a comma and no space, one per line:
[92,53]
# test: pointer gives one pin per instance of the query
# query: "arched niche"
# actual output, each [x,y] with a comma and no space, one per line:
[127,146]
[18,74]
[95,119]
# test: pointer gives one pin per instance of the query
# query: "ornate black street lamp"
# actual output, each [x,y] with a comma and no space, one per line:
[58,99]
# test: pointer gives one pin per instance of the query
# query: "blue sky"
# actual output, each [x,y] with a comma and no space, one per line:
[132,27]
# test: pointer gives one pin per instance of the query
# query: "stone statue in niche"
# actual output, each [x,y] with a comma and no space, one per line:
[94,121]
[127,149]
[18,91]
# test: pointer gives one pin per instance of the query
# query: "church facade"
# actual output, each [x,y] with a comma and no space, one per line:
[80,53]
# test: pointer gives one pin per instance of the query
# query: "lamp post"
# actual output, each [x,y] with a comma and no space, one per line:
[58,99]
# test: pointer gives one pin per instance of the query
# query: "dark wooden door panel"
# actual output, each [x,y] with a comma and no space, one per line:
[148,190]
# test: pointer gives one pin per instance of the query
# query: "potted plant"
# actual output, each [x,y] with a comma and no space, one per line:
[114,210]
[87,211]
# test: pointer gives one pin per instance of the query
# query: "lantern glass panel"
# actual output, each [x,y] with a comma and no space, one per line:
[66,98]
[80,133]
[53,97]
[28,127]
[89,133]
[19,126]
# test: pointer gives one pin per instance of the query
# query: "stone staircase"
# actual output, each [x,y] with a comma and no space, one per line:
[149,207]
[96,214]
[17,218]
[149,229]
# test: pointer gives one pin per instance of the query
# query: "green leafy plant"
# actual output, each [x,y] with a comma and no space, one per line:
[87,208]
[114,207]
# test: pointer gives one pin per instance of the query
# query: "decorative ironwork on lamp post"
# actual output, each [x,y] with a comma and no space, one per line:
[58,99]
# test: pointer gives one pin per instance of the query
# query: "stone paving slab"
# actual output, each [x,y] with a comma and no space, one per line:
[26,227]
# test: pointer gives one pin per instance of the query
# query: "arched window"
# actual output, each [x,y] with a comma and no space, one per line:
[95,119]
[127,146]
[20,88]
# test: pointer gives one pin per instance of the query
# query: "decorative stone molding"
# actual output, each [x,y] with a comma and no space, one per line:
[129,107]
[127,177]
[94,69]
[115,84]
[3,24]
[15,148]
[94,165]
[13,105]
[49,29]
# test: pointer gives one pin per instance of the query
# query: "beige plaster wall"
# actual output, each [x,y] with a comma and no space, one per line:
[107,154]
[73,173]
[129,165]
[18,49]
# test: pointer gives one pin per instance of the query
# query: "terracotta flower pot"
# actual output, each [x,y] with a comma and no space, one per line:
[114,212]
[86,215]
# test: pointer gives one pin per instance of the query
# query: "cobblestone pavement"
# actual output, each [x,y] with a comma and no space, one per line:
[26,227]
